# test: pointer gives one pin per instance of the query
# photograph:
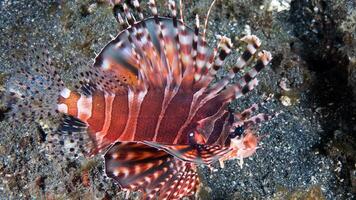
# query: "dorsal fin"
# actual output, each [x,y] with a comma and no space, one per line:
[224,47]
[161,38]
[154,53]
[207,19]
[161,53]
[118,16]
[195,43]
[137,6]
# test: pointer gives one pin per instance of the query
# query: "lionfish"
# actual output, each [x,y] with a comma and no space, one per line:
[149,102]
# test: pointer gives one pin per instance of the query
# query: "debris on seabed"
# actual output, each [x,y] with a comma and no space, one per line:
[286,101]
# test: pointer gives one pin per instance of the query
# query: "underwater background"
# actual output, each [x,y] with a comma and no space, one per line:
[307,152]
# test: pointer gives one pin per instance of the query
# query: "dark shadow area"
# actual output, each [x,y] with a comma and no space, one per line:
[3,112]
[330,96]
[42,134]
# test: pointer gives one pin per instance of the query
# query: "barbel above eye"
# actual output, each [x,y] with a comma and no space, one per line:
[237,132]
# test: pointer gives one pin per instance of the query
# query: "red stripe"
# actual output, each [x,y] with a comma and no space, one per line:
[201,56]
[134,110]
[149,114]
[119,117]
[218,128]
[71,103]
[108,110]
[96,121]
[175,116]
[185,49]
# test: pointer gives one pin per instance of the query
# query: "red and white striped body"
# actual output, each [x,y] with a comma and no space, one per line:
[141,117]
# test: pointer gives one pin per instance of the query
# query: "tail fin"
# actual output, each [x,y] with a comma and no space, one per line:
[136,166]
[32,91]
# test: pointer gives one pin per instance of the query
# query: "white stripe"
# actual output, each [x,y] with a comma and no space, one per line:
[84,105]
[154,10]
[252,84]
[186,59]
[252,72]
[226,48]
[164,30]
[108,109]
[65,93]
[219,62]
[202,49]
[238,94]
[136,4]
[168,96]
[63,108]
[185,39]
[135,101]
[240,63]
[144,40]
[242,82]
[200,63]
[265,56]
[213,72]
[251,48]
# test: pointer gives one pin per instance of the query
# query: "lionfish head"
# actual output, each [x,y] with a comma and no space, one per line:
[243,143]
[242,138]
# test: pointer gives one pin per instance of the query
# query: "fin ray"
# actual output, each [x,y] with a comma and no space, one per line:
[123,163]
[197,153]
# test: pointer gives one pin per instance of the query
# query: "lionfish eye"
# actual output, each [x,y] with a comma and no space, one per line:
[237,132]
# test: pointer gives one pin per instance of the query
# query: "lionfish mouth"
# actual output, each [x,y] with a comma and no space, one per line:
[241,147]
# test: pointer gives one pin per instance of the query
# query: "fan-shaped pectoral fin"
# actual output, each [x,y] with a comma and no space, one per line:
[137,166]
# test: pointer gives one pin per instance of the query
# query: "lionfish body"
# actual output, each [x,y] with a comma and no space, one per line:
[149,99]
